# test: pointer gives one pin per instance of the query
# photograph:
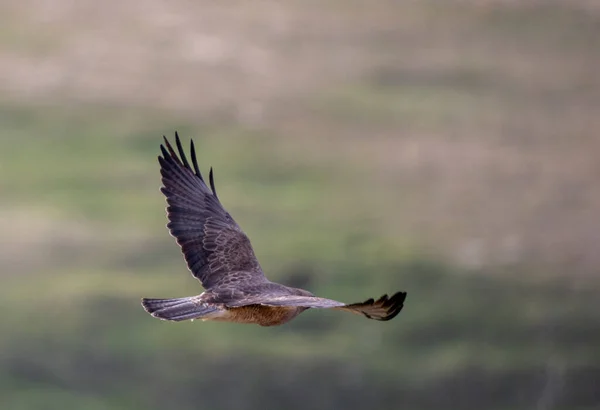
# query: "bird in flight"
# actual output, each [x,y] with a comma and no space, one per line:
[219,254]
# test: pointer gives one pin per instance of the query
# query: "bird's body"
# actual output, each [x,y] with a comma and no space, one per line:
[220,255]
[226,305]
[259,315]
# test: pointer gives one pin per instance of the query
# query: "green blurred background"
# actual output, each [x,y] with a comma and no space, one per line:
[449,149]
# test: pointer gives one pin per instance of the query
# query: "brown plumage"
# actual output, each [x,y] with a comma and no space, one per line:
[220,255]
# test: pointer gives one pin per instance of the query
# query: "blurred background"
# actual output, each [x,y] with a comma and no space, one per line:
[448,149]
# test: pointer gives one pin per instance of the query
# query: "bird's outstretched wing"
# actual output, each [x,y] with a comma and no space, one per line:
[215,248]
[384,308]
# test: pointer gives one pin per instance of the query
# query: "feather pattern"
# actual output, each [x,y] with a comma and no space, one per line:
[214,246]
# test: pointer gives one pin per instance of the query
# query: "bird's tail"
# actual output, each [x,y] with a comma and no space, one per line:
[178,309]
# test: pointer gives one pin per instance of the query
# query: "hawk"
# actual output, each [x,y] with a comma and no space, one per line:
[219,254]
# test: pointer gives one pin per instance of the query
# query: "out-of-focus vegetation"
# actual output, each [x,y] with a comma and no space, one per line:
[446,149]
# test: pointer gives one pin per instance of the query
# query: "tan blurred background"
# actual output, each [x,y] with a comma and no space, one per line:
[449,149]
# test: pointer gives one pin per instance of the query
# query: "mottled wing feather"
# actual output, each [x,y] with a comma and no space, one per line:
[230,252]
[215,248]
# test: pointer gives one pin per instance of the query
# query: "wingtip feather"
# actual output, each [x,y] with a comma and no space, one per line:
[212,182]
[195,160]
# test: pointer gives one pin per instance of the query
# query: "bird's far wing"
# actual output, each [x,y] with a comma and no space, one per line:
[214,246]
[382,309]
